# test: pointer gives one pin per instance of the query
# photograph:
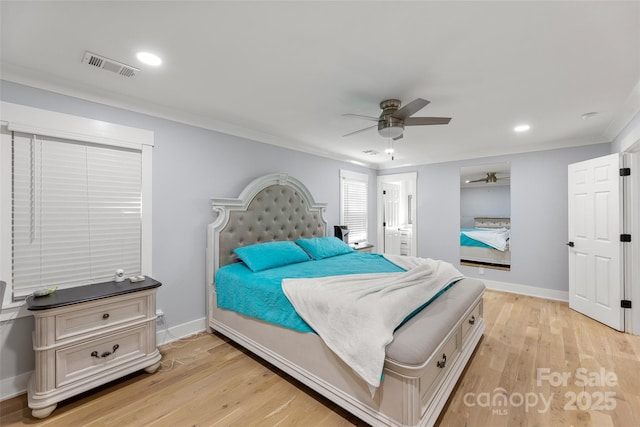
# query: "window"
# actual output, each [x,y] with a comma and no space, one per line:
[75,212]
[353,204]
[78,204]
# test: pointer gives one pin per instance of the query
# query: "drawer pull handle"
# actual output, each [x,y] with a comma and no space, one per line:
[472,321]
[105,316]
[442,363]
[106,353]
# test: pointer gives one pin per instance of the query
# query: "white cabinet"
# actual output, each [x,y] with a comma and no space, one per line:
[405,241]
[398,241]
[90,335]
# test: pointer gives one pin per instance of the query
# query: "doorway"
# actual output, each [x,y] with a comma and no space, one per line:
[396,200]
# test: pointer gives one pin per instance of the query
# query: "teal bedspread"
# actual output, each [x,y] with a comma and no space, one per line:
[468,241]
[260,294]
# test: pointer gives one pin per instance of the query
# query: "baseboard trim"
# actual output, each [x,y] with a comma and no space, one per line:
[531,291]
[15,386]
[166,335]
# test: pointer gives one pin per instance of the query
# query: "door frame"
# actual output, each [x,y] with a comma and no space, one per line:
[405,177]
[631,208]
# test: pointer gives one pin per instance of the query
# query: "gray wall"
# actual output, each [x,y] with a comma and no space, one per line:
[538,214]
[488,201]
[191,164]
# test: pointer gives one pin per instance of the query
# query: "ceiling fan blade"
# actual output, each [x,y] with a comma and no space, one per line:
[361,130]
[397,137]
[419,121]
[410,109]
[478,180]
[375,119]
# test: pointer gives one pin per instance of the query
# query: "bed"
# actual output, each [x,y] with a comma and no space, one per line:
[421,365]
[487,244]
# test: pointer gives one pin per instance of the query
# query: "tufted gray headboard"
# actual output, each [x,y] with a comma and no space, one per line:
[272,207]
[490,222]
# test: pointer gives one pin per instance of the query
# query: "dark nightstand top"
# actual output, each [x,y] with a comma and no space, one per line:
[362,246]
[86,293]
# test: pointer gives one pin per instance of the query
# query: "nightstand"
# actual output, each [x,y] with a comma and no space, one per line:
[363,247]
[89,335]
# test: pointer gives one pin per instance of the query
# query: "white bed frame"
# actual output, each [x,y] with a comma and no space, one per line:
[411,394]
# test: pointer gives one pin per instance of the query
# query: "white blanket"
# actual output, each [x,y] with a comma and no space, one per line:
[356,314]
[497,238]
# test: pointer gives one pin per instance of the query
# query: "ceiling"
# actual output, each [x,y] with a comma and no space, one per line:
[285,72]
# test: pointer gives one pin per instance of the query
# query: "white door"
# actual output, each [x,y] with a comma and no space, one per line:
[396,208]
[595,250]
[392,241]
[391,200]
[391,197]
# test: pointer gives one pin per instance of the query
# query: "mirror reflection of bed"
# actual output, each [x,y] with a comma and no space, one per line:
[485,216]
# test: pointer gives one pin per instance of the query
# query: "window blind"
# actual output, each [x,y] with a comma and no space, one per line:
[354,205]
[76,212]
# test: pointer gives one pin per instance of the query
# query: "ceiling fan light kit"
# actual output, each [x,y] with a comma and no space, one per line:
[392,130]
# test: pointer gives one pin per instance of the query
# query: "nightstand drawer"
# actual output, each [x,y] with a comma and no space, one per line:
[92,357]
[99,315]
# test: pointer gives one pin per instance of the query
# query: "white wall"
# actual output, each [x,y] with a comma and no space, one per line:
[628,136]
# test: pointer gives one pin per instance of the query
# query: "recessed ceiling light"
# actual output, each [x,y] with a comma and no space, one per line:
[522,128]
[149,58]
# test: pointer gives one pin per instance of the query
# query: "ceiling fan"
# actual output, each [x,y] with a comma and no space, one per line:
[489,179]
[393,119]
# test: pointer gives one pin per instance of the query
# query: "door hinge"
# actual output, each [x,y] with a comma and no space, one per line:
[625,237]
[625,303]
[625,171]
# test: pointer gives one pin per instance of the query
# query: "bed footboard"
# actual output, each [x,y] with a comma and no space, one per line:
[410,395]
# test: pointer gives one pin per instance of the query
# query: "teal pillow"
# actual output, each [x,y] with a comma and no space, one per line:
[324,247]
[263,256]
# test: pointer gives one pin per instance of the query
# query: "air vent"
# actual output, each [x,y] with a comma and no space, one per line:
[109,64]
[371,152]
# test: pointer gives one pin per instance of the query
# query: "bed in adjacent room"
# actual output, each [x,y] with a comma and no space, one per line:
[487,244]
[280,287]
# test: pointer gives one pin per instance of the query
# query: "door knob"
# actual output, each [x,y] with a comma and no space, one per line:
[571,244]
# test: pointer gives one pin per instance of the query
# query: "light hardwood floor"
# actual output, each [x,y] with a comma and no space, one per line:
[516,378]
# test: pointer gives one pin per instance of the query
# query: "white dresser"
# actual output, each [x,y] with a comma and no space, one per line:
[90,335]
